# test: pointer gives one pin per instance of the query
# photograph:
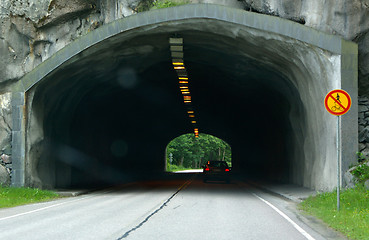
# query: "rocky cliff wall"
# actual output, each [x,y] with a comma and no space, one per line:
[32,30]
[348,19]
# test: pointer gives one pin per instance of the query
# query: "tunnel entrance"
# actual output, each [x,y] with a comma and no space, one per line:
[105,114]
[188,152]
[112,124]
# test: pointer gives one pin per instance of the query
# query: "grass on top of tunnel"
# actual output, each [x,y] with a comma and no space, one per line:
[11,197]
[353,217]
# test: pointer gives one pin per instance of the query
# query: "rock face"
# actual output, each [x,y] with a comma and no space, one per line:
[364,126]
[32,30]
[348,19]
[5,131]
[4,176]
[349,179]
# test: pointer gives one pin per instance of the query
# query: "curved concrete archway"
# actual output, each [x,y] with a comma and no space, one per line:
[258,82]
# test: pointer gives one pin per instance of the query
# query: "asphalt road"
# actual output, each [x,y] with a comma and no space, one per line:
[171,209]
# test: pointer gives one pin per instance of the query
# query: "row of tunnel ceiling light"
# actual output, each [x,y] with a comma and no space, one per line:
[176,48]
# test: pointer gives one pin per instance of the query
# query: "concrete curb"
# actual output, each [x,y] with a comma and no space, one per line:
[72,193]
[288,191]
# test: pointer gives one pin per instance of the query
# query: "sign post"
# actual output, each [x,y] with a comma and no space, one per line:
[338,102]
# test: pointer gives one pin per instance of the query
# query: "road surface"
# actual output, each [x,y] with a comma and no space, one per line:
[171,209]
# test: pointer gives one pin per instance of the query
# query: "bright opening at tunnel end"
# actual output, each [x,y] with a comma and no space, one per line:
[189,153]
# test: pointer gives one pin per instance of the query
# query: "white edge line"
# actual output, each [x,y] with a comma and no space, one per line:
[44,208]
[298,228]
[40,209]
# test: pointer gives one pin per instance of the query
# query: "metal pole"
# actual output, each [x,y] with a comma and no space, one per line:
[338,163]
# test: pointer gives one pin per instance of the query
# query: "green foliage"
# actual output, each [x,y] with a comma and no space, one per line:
[166,3]
[191,152]
[157,4]
[353,217]
[360,157]
[175,168]
[10,197]
[361,172]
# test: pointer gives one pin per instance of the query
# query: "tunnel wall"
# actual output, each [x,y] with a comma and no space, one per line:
[313,62]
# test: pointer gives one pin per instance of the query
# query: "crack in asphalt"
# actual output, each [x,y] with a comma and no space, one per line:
[125,235]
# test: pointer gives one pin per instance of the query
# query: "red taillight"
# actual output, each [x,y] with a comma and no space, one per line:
[207,169]
[227,169]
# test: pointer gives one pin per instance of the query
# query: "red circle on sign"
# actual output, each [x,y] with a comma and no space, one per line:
[345,109]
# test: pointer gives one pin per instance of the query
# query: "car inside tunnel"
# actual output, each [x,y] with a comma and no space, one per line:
[107,116]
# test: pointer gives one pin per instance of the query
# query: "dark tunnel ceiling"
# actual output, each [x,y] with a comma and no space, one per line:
[220,77]
[130,88]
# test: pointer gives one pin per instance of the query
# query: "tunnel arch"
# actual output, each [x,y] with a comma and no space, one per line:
[65,93]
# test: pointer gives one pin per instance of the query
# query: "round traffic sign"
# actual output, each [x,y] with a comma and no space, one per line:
[337,102]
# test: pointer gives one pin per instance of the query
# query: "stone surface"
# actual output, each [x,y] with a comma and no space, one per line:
[362,146]
[32,30]
[5,158]
[349,179]
[363,43]
[5,124]
[4,176]
[348,19]
[363,126]
[363,134]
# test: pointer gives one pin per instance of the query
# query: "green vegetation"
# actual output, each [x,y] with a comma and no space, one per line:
[175,168]
[353,217]
[189,152]
[11,197]
[157,4]
[361,172]
[360,169]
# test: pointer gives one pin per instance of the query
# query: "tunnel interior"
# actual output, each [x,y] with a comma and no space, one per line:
[108,115]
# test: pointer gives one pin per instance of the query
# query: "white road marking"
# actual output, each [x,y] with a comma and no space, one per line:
[297,227]
[51,206]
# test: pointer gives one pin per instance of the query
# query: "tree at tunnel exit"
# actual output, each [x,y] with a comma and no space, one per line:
[189,152]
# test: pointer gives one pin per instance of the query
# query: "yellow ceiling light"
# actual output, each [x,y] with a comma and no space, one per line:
[176,48]
[179,67]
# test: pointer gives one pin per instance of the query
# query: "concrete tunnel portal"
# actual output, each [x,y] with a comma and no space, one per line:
[106,113]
